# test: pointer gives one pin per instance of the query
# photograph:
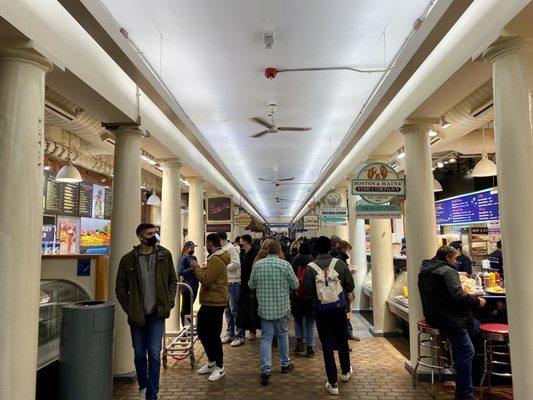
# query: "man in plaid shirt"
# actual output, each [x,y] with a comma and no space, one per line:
[273,278]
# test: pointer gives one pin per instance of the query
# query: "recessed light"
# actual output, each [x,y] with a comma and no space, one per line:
[401,155]
[433,133]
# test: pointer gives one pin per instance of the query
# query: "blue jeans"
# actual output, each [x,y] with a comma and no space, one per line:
[309,329]
[269,328]
[463,354]
[232,309]
[147,341]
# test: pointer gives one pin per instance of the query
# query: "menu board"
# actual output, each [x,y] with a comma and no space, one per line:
[52,194]
[70,193]
[98,201]
[468,209]
[108,203]
[85,208]
[219,209]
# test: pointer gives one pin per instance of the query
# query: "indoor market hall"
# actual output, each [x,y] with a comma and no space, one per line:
[304,199]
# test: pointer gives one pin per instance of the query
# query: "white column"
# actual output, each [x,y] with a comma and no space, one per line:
[420,215]
[512,59]
[21,134]
[382,275]
[196,216]
[125,218]
[343,231]
[171,222]
[358,257]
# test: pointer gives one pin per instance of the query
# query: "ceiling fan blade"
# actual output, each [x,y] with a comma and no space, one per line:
[292,128]
[266,180]
[264,122]
[259,134]
[286,179]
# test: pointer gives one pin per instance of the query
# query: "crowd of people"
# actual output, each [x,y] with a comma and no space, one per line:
[258,285]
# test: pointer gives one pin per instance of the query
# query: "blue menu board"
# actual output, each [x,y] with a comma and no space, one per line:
[468,209]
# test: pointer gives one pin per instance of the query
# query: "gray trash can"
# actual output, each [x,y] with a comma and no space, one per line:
[86,351]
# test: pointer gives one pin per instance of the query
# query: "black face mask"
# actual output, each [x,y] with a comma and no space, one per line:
[191,252]
[152,241]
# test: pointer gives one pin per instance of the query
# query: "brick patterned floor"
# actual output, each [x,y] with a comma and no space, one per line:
[379,374]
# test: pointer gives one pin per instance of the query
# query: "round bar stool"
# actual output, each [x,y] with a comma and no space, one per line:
[439,351]
[496,352]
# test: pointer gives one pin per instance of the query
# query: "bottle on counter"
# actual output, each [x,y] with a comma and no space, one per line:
[492,277]
[486,280]
[498,278]
[479,282]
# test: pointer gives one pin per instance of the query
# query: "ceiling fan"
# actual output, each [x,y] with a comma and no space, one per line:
[272,126]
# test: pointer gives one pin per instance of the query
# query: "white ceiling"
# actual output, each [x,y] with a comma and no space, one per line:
[211,57]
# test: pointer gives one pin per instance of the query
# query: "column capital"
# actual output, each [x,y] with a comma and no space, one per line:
[124,130]
[25,55]
[171,162]
[418,125]
[196,179]
[508,45]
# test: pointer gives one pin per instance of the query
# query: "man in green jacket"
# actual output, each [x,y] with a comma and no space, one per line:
[146,288]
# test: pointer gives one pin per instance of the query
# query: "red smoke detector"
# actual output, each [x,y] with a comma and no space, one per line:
[271,73]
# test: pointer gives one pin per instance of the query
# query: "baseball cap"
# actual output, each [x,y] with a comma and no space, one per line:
[190,244]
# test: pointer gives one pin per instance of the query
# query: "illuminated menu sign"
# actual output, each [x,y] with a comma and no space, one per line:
[468,209]
[52,194]
[108,203]
[70,194]
[85,208]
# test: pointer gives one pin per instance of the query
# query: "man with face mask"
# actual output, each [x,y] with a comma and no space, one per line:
[146,288]
[186,275]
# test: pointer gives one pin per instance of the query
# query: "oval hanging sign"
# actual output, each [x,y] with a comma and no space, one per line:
[378,183]
[242,220]
[333,200]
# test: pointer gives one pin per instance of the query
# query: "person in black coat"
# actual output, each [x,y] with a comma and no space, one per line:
[450,309]
[302,307]
[247,316]
[464,264]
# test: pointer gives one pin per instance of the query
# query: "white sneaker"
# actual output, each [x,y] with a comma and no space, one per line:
[227,339]
[334,390]
[217,374]
[237,342]
[142,394]
[207,368]
[346,377]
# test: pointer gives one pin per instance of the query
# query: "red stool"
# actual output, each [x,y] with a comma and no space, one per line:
[439,351]
[496,352]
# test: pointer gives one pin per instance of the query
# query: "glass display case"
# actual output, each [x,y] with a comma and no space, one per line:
[398,300]
[54,295]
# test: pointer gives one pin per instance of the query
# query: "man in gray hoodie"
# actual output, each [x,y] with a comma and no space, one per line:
[234,334]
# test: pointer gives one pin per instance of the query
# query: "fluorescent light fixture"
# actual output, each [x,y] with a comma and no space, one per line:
[445,124]
[440,165]
[437,187]
[401,155]
[433,133]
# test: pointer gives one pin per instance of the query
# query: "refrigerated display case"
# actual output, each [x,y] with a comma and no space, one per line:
[53,296]
[398,300]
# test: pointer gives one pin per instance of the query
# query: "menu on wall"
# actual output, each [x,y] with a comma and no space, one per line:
[85,208]
[70,198]
[98,201]
[52,194]
[108,203]
[471,208]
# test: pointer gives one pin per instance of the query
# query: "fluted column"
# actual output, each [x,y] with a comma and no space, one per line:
[512,59]
[22,77]
[125,218]
[421,233]
[196,216]
[171,222]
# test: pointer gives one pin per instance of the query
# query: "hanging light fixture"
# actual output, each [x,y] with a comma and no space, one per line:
[154,199]
[484,167]
[437,187]
[445,124]
[69,173]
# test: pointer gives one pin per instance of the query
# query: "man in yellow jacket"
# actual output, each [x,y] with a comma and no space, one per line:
[213,298]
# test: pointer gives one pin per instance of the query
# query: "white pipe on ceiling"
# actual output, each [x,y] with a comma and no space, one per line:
[478,27]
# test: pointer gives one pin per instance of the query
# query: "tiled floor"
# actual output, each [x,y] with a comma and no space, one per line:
[379,374]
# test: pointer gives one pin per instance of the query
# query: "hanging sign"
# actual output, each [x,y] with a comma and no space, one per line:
[334,212]
[378,183]
[219,209]
[378,211]
[311,222]
[218,228]
[333,200]
[242,220]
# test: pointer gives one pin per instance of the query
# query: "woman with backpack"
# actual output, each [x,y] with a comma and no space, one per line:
[303,307]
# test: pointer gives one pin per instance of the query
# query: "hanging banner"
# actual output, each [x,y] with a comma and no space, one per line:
[378,183]
[311,222]
[219,209]
[378,211]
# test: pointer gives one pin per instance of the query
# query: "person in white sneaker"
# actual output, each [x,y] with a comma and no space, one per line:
[213,298]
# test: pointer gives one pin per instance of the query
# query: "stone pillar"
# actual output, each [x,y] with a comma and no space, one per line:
[358,257]
[22,77]
[382,275]
[171,222]
[124,220]
[196,216]
[512,59]
[343,231]
[420,215]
